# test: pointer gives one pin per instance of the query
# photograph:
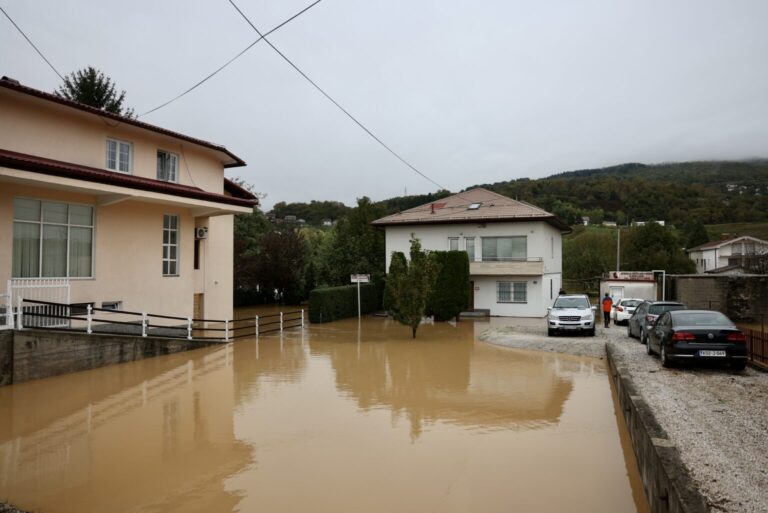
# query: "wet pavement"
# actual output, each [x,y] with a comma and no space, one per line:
[339,417]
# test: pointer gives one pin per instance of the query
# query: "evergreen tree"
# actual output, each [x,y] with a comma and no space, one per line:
[409,289]
[450,290]
[92,87]
[398,267]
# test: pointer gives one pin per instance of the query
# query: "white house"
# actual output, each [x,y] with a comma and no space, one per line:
[514,248]
[716,255]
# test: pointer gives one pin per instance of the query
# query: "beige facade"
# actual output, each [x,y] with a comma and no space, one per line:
[54,154]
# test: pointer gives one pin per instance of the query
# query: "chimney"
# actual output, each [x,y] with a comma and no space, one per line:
[432,206]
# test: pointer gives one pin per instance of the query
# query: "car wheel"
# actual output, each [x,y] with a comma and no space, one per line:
[665,361]
[739,365]
[648,349]
[629,330]
[592,332]
[550,332]
[643,338]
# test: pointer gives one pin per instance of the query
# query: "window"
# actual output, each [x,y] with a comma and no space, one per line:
[504,248]
[170,245]
[453,243]
[469,244]
[474,206]
[52,240]
[167,166]
[511,291]
[119,155]
[112,305]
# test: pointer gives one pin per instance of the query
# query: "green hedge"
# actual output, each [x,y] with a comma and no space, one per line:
[333,303]
[450,289]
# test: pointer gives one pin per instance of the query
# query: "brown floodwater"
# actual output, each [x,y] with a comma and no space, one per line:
[340,417]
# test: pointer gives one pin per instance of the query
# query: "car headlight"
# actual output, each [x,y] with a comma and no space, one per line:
[587,317]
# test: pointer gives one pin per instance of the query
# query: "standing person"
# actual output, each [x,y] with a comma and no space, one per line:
[607,305]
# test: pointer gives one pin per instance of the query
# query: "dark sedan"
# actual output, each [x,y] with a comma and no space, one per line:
[646,314]
[686,335]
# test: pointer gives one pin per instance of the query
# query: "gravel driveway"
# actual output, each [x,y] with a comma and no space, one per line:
[717,418]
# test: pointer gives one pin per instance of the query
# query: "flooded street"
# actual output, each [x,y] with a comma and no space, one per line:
[338,417]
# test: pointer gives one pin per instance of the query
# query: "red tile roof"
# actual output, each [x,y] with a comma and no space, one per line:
[14,85]
[22,161]
[492,207]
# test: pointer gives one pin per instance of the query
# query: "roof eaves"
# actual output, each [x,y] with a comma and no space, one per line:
[14,85]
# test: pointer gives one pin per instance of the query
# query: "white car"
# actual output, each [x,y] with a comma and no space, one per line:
[624,308]
[571,313]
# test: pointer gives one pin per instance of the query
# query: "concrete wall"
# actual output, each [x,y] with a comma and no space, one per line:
[6,357]
[667,483]
[40,354]
[740,297]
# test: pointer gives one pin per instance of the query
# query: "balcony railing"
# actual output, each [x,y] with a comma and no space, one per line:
[532,266]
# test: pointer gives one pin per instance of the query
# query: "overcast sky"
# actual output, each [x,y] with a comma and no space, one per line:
[467,91]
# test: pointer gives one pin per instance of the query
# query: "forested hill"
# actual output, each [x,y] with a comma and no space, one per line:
[680,193]
[707,192]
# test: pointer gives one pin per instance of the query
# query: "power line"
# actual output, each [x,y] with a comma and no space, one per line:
[337,104]
[33,44]
[233,59]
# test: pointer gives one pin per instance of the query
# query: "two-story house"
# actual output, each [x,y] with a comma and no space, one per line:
[726,255]
[131,216]
[514,248]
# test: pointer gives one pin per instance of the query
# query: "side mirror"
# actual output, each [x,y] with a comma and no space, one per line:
[549,309]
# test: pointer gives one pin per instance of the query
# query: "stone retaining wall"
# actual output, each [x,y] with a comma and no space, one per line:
[667,483]
[34,354]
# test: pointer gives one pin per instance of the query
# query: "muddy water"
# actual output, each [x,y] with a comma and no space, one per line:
[329,419]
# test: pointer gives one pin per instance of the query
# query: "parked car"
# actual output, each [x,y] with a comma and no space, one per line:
[697,335]
[624,308]
[645,315]
[571,313]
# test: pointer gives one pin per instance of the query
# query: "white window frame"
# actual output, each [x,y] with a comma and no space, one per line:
[170,245]
[175,175]
[512,286]
[450,240]
[68,225]
[504,259]
[474,247]
[117,169]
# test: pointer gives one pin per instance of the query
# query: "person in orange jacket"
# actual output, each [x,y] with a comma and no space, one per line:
[607,305]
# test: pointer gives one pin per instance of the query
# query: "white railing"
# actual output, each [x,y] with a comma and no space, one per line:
[6,312]
[52,290]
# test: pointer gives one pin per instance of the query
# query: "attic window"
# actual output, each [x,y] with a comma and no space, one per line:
[474,206]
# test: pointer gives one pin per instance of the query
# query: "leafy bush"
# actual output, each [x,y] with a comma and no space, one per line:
[450,289]
[333,303]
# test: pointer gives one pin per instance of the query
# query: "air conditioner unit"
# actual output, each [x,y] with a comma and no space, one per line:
[201,233]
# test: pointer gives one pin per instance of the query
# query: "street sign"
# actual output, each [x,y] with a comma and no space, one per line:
[360,278]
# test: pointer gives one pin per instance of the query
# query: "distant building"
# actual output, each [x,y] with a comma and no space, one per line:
[715,257]
[290,219]
[585,220]
[327,222]
[514,248]
[629,284]
[643,223]
[609,224]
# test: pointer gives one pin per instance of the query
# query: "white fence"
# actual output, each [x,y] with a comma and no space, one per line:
[53,290]
[6,312]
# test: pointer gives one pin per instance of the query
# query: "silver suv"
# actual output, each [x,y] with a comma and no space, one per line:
[570,313]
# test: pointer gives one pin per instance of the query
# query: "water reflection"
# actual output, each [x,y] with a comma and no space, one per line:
[155,435]
[339,417]
[443,376]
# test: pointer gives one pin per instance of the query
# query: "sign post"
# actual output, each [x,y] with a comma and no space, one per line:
[359,278]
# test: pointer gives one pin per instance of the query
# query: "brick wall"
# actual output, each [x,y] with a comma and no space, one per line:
[740,297]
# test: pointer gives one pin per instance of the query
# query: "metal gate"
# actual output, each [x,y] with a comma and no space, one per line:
[53,290]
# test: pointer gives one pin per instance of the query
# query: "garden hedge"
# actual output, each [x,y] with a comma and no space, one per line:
[333,303]
[450,289]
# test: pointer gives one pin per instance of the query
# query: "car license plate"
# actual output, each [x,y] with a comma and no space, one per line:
[571,327]
[711,353]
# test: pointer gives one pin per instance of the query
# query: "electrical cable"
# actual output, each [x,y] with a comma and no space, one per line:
[230,61]
[337,104]
[33,44]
